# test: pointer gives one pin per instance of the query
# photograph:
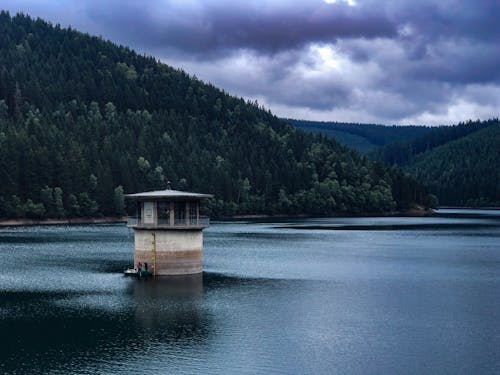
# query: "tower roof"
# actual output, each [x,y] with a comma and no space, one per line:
[167,194]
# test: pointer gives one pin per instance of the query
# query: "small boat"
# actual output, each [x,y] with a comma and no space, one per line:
[131,272]
[137,273]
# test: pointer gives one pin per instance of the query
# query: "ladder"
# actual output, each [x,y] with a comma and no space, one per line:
[153,254]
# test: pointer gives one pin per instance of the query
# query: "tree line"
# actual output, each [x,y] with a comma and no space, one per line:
[464,172]
[403,153]
[374,134]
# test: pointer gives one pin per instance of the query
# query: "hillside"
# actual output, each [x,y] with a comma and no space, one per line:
[465,171]
[83,121]
[429,154]
[363,138]
[404,152]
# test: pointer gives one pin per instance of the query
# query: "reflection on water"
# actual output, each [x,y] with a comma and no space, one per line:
[277,297]
[169,308]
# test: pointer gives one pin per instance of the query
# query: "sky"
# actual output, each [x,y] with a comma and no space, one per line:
[425,62]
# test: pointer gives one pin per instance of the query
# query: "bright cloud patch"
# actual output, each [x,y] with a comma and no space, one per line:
[349,2]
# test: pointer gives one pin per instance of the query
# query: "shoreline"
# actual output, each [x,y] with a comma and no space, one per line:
[468,208]
[410,213]
[111,220]
[72,221]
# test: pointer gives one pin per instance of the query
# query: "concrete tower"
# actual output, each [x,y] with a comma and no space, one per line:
[168,231]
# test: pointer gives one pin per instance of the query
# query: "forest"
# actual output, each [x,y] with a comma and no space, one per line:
[84,121]
[364,138]
[404,152]
[456,163]
[464,172]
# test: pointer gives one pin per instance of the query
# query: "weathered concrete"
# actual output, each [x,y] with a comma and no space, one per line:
[178,252]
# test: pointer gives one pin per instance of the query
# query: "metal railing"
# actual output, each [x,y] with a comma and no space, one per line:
[202,221]
[180,221]
[132,221]
[164,221]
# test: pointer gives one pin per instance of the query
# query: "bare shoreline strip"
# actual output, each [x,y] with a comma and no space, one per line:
[109,220]
[72,221]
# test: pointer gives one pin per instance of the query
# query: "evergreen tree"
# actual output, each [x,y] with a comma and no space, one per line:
[119,201]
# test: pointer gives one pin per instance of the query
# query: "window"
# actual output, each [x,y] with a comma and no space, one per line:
[193,212]
[180,212]
[163,212]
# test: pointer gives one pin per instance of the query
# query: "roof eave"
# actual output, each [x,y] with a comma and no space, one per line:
[167,197]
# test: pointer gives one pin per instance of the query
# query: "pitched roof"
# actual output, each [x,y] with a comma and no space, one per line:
[163,194]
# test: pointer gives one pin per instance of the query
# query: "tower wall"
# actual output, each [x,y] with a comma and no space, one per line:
[178,252]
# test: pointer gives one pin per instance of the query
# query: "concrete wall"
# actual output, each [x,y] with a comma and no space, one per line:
[178,252]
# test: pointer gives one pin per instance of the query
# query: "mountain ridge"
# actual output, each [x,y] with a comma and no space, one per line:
[464,171]
[367,136]
[415,152]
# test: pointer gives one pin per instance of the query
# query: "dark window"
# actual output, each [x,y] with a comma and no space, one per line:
[180,212]
[193,205]
[163,212]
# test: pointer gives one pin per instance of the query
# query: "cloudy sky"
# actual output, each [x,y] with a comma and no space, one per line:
[400,61]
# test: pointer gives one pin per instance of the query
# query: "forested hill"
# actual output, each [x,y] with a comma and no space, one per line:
[83,121]
[363,138]
[464,172]
[457,163]
[432,155]
[404,152]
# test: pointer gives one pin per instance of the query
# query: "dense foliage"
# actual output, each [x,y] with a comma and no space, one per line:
[404,152]
[361,137]
[465,171]
[458,176]
[83,121]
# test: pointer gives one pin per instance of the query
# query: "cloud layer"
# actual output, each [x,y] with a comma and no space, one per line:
[430,61]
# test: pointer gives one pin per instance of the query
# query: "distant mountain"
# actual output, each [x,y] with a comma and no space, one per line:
[432,155]
[363,138]
[403,152]
[465,171]
[82,121]
[457,163]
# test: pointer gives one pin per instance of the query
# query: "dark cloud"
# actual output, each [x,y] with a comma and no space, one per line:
[215,27]
[380,60]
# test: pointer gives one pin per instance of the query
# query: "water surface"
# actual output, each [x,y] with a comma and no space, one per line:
[308,296]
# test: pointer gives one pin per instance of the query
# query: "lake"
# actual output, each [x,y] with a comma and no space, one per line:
[294,296]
